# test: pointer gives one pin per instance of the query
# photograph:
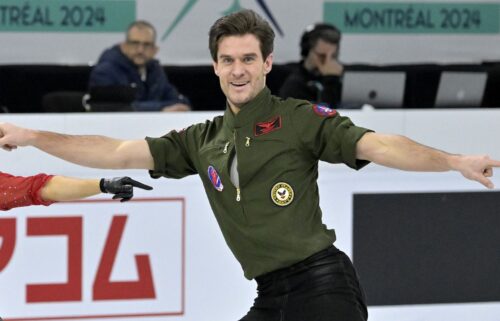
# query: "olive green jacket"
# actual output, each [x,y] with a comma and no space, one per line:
[273,219]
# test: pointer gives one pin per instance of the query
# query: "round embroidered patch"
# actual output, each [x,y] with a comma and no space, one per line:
[215,178]
[324,110]
[282,194]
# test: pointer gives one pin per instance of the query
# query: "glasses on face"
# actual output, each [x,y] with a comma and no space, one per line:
[144,44]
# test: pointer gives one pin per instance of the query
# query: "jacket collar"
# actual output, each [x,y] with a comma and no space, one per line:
[255,110]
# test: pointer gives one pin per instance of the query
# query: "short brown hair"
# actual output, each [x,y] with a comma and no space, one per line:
[238,24]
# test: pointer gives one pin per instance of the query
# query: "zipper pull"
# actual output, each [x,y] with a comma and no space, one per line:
[238,194]
[225,148]
[247,143]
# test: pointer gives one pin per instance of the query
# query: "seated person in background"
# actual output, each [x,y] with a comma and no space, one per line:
[132,63]
[318,77]
[42,189]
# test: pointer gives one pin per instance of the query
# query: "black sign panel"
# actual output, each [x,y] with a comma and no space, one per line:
[422,248]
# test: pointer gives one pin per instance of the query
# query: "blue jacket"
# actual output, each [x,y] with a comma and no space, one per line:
[114,68]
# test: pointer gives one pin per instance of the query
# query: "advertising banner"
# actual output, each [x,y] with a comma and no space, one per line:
[374,32]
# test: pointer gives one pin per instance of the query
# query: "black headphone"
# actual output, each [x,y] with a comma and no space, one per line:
[315,32]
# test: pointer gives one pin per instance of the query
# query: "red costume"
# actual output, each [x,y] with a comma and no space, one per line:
[17,191]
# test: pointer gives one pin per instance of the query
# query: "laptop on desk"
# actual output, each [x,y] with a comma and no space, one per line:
[461,89]
[381,89]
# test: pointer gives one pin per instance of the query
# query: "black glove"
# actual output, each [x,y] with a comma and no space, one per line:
[122,187]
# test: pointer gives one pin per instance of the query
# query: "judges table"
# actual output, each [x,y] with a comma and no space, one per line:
[23,87]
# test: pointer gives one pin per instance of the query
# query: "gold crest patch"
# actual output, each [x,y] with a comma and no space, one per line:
[282,194]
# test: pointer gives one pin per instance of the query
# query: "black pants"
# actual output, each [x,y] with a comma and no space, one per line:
[323,287]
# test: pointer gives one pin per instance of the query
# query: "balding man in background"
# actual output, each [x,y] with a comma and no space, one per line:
[132,63]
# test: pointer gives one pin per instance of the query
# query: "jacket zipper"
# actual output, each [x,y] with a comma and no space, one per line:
[238,190]
[238,194]
[247,144]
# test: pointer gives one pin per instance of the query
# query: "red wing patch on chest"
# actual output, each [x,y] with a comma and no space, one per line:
[268,126]
[324,110]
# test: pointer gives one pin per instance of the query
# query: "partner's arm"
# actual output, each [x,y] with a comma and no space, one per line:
[61,188]
[42,189]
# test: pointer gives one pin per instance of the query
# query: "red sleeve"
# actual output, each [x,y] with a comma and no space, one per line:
[17,191]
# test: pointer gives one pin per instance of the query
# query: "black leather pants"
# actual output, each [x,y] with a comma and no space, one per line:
[323,287]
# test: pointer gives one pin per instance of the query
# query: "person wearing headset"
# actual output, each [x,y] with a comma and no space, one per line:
[318,76]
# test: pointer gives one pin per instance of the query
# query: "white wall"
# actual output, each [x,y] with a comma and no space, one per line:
[214,288]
